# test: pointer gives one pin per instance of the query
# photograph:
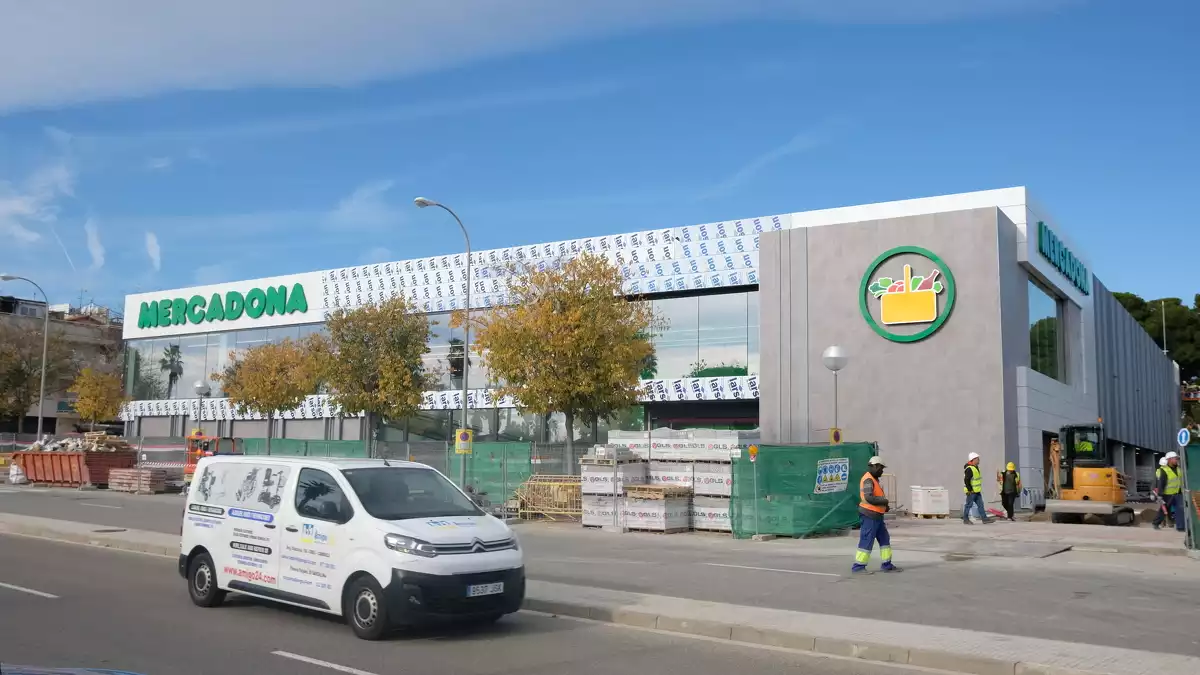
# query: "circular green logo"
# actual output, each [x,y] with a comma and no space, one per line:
[916,290]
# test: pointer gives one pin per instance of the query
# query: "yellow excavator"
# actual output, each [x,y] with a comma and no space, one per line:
[1084,480]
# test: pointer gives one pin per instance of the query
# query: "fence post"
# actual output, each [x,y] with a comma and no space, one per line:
[754,467]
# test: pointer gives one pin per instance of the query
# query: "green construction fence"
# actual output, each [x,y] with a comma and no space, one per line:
[296,447]
[797,490]
[494,470]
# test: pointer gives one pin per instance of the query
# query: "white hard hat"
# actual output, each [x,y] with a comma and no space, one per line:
[876,460]
[1172,455]
[972,456]
[1162,462]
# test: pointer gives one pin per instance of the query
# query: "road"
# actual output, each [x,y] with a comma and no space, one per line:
[130,611]
[1087,597]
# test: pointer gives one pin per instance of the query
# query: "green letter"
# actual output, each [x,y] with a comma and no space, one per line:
[276,300]
[148,316]
[296,302]
[164,312]
[256,302]
[195,309]
[216,309]
[234,304]
[178,312]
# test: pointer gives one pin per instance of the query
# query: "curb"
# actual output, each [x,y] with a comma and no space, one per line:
[93,538]
[867,651]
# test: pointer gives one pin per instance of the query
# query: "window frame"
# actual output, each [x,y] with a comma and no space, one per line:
[345,507]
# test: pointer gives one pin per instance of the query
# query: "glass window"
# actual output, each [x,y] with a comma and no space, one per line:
[752,332]
[515,426]
[193,355]
[219,346]
[318,496]
[1045,333]
[168,358]
[399,493]
[430,425]
[283,333]
[722,336]
[676,347]
[437,360]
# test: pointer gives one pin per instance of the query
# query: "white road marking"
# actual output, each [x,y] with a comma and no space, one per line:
[772,569]
[19,490]
[323,664]
[30,591]
[99,506]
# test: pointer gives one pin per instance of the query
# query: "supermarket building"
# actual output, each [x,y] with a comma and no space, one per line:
[972,322]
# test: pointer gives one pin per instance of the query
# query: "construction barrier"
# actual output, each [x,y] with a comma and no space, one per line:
[797,490]
[550,498]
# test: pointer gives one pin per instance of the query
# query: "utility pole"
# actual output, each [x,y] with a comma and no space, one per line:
[1163,305]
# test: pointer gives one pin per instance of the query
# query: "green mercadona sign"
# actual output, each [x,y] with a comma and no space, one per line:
[273,300]
[1052,249]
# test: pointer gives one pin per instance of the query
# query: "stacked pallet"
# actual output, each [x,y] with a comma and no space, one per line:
[138,481]
[657,508]
[98,441]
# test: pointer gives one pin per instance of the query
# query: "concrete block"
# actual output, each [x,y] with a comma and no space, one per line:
[1039,669]
[861,650]
[712,629]
[773,638]
[763,537]
[556,607]
[960,663]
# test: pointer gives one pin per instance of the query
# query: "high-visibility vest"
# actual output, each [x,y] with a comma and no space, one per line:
[1173,482]
[876,491]
[976,480]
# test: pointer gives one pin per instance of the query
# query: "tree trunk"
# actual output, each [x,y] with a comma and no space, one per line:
[369,422]
[569,460]
[270,423]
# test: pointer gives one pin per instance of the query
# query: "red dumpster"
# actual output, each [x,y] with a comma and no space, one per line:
[72,469]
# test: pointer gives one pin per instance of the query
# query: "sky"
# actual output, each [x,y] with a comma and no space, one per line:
[148,146]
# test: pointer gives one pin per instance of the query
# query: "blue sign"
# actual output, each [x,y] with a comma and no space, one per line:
[1183,437]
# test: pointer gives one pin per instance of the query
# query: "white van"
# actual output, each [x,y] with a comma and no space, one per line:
[382,543]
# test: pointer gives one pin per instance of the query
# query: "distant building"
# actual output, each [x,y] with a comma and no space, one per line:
[94,332]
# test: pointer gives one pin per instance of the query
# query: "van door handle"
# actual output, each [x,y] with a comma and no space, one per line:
[269,526]
[289,528]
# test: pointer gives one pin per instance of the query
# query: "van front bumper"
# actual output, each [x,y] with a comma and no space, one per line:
[414,598]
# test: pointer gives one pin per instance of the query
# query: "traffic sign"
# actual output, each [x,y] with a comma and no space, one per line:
[753,452]
[1183,437]
[835,436]
[462,441]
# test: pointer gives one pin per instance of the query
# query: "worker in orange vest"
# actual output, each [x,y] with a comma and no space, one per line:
[872,528]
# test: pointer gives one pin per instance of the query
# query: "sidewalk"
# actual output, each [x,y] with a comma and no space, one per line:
[967,651]
[1099,538]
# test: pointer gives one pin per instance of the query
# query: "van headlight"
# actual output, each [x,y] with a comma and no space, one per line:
[409,545]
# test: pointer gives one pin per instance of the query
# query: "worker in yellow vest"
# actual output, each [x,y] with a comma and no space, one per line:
[1010,488]
[1169,486]
[873,504]
[973,489]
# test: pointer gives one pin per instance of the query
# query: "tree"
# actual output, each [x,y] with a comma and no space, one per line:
[702,369]
[171,363]
[99,395]
[568,341]
[21,367]
[1182,323]
[271,378]
[371,360]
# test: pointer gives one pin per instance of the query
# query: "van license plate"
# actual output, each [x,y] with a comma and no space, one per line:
[485,589]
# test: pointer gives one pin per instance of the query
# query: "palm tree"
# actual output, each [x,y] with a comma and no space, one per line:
[171,363]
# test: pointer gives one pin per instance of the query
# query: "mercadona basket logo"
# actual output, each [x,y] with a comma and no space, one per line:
[905,287]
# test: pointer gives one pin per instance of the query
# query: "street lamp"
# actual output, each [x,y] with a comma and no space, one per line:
[45,341]
[835,358]
[421,203]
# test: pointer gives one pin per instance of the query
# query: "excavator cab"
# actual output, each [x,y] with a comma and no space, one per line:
[1086,480]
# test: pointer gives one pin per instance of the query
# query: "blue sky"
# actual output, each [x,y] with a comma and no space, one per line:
[144,147]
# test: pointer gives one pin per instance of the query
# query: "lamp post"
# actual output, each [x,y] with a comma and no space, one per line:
[421,203]
[835,358]
[45,342]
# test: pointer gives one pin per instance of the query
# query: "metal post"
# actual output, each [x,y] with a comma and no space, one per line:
[835,400]
[754,466]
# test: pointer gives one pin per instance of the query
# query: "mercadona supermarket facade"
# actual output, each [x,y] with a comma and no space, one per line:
[971,322]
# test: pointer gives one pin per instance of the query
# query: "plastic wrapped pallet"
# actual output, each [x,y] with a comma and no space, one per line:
[597,479]
[672,514]
[601,511]
[679,474]
[713,479]
[710,513]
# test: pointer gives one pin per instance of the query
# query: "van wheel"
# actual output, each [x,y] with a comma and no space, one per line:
[365,610]
[202,582]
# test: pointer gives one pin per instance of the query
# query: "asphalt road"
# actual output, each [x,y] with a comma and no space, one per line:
[1097,598]
[129,611]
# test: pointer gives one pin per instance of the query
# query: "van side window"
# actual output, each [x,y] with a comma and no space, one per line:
[318,496]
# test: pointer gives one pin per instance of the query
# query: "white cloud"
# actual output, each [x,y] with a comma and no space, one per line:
[212,274]
[800,143]
[159,163]
[129,48]
[93,243]
[153,250]
[366,208]
[34,203]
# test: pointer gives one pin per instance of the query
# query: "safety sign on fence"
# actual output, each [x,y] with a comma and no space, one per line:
[832,475]
[462,441]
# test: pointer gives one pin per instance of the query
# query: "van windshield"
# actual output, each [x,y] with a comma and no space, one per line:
[401,493]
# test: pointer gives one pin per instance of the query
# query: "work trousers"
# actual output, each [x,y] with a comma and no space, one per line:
[976,499]
[869,532]
[1172,504]
[1010,502]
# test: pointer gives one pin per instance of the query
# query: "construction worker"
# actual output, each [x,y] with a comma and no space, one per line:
[1162,506]
[872,505]
[1010,488]
[973,489]
[1169,486]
